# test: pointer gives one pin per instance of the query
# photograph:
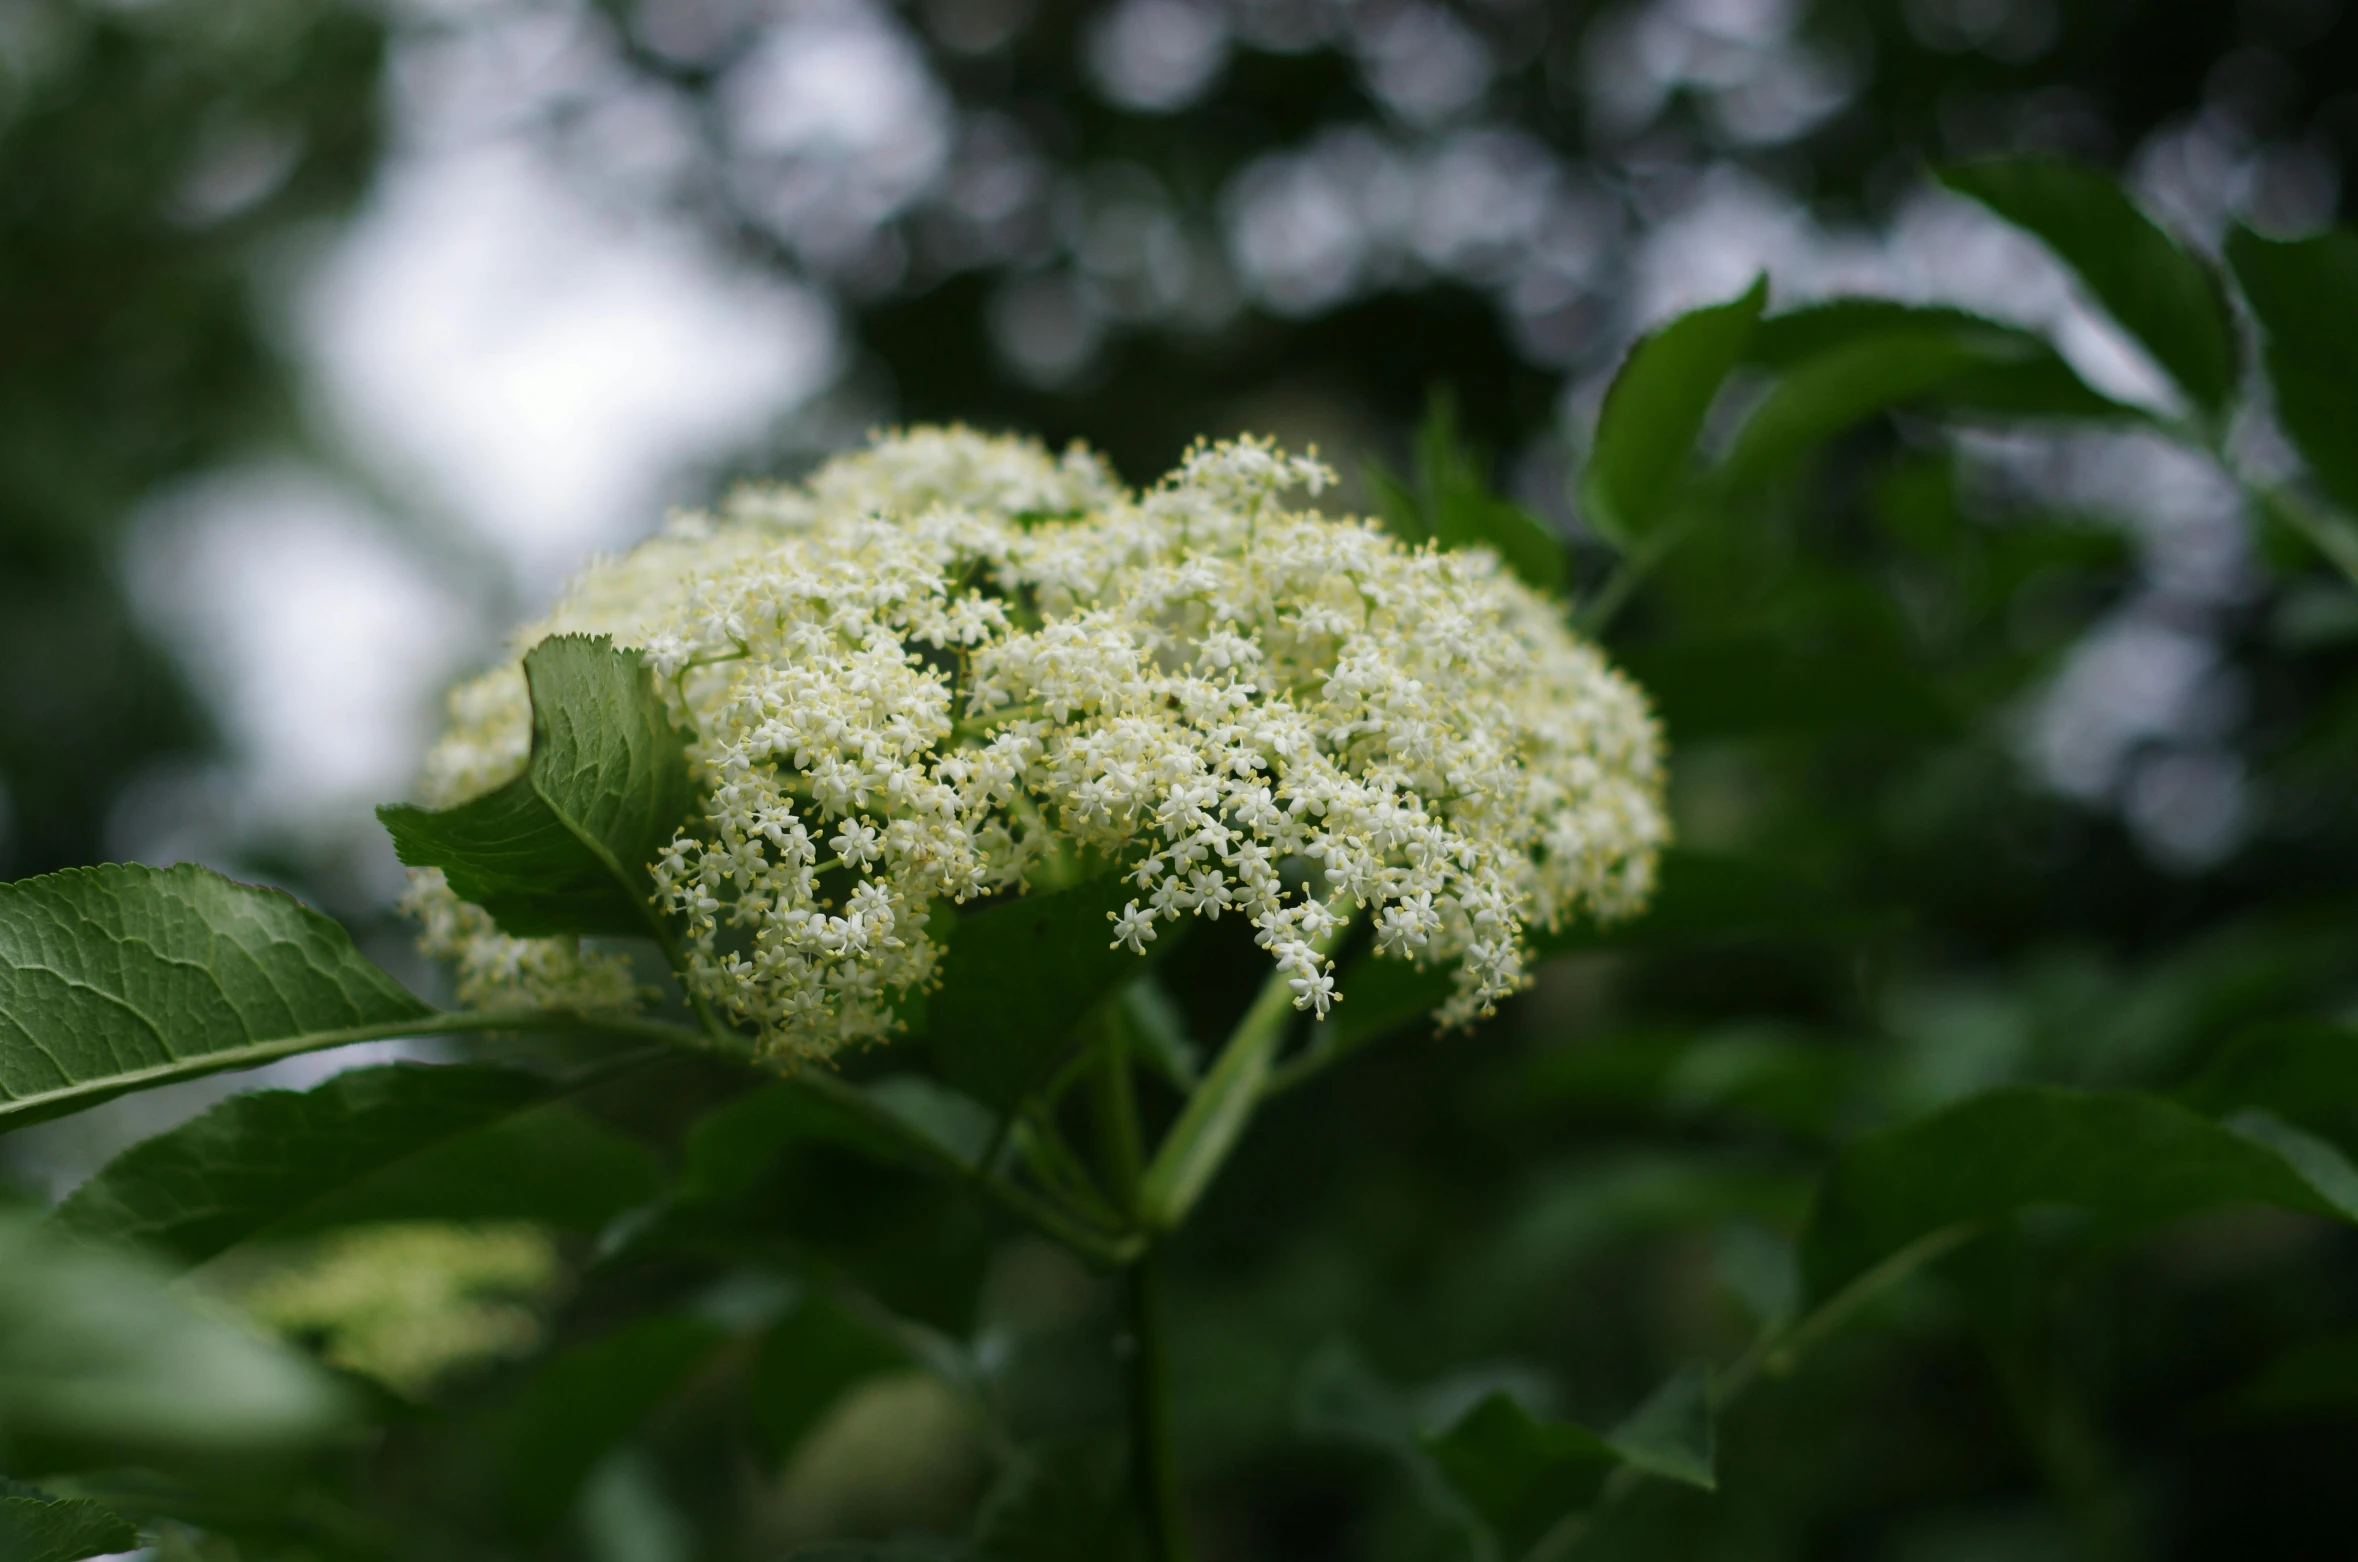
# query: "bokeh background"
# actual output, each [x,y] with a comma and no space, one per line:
[332,336]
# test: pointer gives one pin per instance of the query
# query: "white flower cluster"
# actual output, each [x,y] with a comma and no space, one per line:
[950,665]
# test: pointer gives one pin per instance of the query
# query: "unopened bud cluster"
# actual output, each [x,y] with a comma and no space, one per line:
[950,666]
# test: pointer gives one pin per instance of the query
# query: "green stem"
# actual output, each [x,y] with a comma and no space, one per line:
[1154,1472]
[1154,1475]
[1216,1114]
[1048,1219]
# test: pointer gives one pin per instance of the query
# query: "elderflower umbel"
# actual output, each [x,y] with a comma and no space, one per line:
[949,661]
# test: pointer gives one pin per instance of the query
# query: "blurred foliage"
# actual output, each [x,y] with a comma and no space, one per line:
[153,160]
[1899,1004]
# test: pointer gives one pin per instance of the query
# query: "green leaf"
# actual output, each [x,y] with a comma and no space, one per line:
[1521,1475]
[1524,1476]
[1655,410]
[257,1160]
[1453,507]
[2301,1071]
[1497,1468]
[2160,294]
[2118,1151]
[583,1404]
[2020,374]
[35,1527]
[554,1164]
[2305,293]
[1670,1435]
[1828,393]
[1700,897]
[101,1365]
[1065,1501]
[121,978]
[565,847]
[1017,980]
[807,1361]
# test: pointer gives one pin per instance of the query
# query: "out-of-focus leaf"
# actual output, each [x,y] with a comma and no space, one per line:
[553,1164]
[1795,1084]
[729,1148]
[1826,394]
[1670,1435]
[1700,897]
[1748,685]
[2315,1376]
[1018,979]
[100,1365]
[585,1402]
[1655,409]
[2305,292]
[806,1362]
[1063,1502]
[259,1159]
[124,977]
[2302,1071]
[1496,1468]
[2019,374]
[36,1527]
[2161,295]
[2121,1152]
[1521,1474]
[1452,505]
[885,1551]
[565,847]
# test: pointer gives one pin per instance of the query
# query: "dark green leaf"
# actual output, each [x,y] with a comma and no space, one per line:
[1670,1435]
[566,846]
[1701,896]
[101,1365]
[2305,293]
[122,977]
[1062,1502]
[2020,374]
[586,1402]
[1520,1474]
[2161,295]
[257,1160]
[553,1164]
[1654,411]
[1828,393]
[1017,981]
[807,1361]
[35,1527]
[1749,685]
[1452,505]
[2120,1152]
